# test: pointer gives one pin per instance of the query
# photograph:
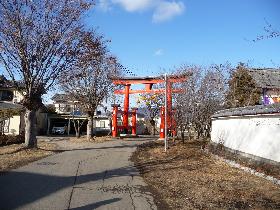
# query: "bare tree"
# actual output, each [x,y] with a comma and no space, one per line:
[211,95]
[89,80]
[204,94]
[185,103]
[76,112]
[270,32]
[152,105]
[38,41]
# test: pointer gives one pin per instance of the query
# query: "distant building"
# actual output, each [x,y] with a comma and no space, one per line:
[63,104]
[68,110]
[269,82]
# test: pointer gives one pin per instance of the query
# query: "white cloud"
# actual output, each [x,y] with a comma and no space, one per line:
[158,52]
[104,5]
[135,5]
[163,10]
[167,10]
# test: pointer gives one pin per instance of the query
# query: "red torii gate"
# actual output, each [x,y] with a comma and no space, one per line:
[148,82]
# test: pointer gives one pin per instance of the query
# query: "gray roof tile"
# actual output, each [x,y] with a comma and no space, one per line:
[249,110]
[4,105]
[266,78]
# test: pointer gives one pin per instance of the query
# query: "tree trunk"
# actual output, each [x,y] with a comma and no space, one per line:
[30,133]
[78,135]
[182,135]
[153,123]
[189,133]
[77,129]
[90,128]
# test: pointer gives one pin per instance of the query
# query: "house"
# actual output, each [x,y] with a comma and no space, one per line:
[63,104]
[269,81]
[12,113]
[8,92]
[102,123]
[141,124]
[68,110]
[142,119]
[10,118]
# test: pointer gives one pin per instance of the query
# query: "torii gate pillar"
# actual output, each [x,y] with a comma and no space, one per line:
[133,121]
[126,108]
[169,106]
[115,120]
[162,123]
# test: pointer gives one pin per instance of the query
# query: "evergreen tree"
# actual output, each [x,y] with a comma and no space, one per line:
[242,88]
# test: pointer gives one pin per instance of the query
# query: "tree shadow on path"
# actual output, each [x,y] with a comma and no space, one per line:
[97,204]
[21,188]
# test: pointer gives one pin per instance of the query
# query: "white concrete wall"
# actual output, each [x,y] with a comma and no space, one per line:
[14,125]
[256,135]
[98,123]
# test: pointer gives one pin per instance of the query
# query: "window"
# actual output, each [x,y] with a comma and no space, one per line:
[6,95]
[4,126]
[102,124]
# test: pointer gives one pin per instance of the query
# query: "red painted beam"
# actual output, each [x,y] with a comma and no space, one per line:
[149,80]
[121,92]
[154,81]
[132,82]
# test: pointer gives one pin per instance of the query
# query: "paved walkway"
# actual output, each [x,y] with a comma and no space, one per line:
[86,176]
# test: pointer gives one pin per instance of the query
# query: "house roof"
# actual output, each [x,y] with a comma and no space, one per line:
[249,110]
[266,78]
[4,105]
[140,115]
[4,83]
[9,84]
[60,97]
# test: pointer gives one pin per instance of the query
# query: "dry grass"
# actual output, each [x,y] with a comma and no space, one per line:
[93,140]
[15,155]
[187,178]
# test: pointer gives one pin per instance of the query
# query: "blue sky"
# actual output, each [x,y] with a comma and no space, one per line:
[152,36]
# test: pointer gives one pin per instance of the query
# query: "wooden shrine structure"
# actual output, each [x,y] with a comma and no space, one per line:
[148,82]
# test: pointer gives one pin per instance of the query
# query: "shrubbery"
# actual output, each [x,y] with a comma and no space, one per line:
[11,139]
